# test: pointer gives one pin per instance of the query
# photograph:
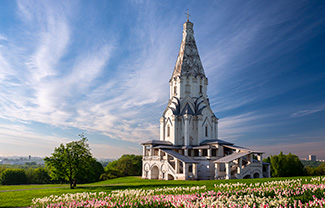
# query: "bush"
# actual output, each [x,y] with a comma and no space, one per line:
[13,177]
[286,165]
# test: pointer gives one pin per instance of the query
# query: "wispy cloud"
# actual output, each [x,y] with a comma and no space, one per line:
[308,111]
[102,73]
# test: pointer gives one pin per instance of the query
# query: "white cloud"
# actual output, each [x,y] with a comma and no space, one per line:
[308,111]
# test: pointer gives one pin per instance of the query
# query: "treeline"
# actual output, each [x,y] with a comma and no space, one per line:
[290,165]
[316,171]
[127,165]
[16,176]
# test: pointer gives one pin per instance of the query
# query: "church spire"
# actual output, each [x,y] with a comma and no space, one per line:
[188,60]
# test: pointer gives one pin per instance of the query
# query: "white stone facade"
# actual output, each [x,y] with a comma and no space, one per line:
[189,147]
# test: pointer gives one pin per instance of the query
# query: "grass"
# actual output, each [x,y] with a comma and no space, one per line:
[22,195]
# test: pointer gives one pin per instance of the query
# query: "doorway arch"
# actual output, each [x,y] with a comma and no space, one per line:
[256,175]
[155,172]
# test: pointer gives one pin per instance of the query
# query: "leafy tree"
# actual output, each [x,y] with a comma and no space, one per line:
[311,171]
[130,165]
[38,176]
[41,176]
[13,177]
[286,165]
[127,165]
[71,162]
[321,169]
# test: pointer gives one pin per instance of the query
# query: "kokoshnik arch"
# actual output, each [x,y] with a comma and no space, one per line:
[189,147]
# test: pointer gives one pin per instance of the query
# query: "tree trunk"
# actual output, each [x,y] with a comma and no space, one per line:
[74,183]
[71,183]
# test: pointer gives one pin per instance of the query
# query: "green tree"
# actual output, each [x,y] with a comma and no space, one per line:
[71,162]
[41,176]
[286,165]
[311,171]
[321,169]
[127,165]
[13,177]
[130,165]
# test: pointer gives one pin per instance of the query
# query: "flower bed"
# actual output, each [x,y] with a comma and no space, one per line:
[287,193]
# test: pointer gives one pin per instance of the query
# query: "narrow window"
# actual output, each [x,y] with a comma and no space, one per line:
[200,88]
[168,131]
[175,89]
[206,131]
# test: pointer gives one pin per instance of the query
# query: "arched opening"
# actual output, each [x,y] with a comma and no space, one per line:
[170,177]
[154,172]
[247,177]
[256,175]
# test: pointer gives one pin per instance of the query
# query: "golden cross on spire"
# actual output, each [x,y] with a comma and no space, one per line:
[188,16]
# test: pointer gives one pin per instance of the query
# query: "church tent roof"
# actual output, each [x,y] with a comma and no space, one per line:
[188,60]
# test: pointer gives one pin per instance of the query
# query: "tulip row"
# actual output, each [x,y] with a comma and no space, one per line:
[288,193]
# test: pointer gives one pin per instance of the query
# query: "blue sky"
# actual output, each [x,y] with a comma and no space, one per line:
[102,68]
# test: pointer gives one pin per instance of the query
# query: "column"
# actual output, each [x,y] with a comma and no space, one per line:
[186,130]
[259,157]
[173,132]
[162,128]
[186,152]
[250,158]
[195,170]
[176,166]
[216,170]
[228,171]
[199,128]
[209,152]
[240,163]
[216,126]
[150,151]
[159,154]
[213,127]
[185,170]
[144,151]
[200,152]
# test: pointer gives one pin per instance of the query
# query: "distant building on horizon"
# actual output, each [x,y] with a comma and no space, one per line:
[189,147]
[312,158]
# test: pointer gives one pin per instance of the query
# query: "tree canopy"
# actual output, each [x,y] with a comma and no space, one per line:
[73,162]
[13,177]
[127,165]
[285,165]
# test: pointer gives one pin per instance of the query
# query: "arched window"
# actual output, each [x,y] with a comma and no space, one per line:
[168,131]
[200,88]
[206,131]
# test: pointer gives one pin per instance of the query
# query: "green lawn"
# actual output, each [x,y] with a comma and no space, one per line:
[22,195]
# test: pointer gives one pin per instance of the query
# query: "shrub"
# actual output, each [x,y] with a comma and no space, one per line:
[13,177]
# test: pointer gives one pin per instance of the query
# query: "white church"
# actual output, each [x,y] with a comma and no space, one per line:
[189,148]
